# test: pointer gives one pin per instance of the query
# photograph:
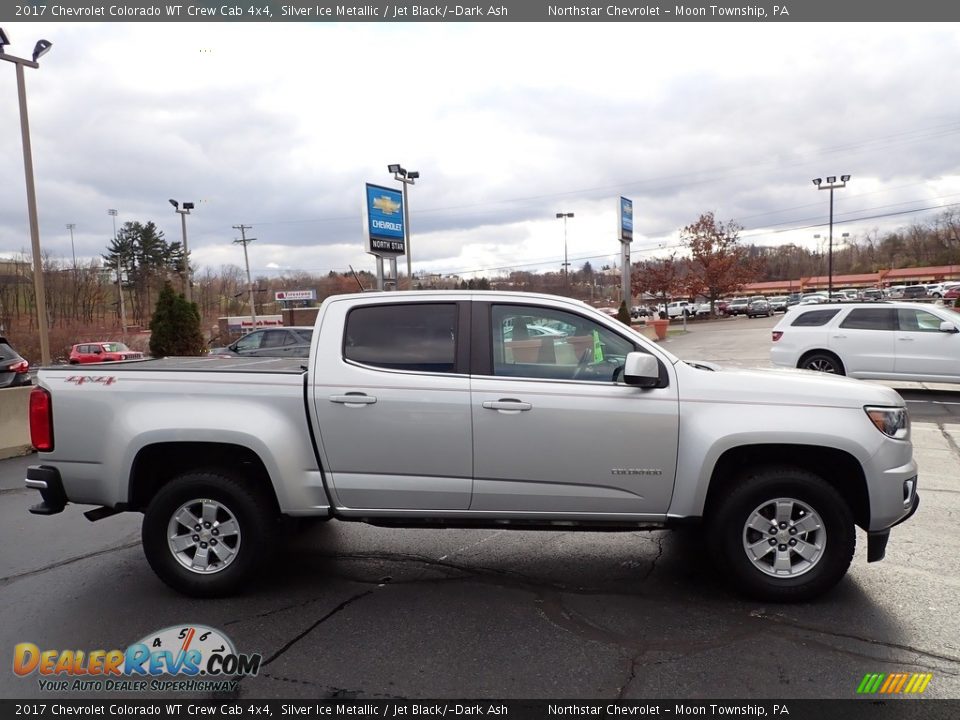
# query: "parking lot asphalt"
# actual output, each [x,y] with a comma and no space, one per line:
[354,611]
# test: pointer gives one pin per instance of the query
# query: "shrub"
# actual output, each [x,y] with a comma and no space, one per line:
[175,327]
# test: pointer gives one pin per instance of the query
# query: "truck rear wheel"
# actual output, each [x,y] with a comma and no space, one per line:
[783,534]
[204,533]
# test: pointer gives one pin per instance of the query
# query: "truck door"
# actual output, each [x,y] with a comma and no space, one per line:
[555,432]
[392,402]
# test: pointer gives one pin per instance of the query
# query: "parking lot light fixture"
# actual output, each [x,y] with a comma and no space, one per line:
[566,264]
[831,185]
[183,212]
[39,49]
[407,177]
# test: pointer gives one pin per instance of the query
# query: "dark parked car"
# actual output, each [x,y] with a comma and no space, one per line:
[756,308]
[14,370]
[737,306]
[911,292]
[291,341]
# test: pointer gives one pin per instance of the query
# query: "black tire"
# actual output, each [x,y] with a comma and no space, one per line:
[251,511]
[822,362]
[800,579]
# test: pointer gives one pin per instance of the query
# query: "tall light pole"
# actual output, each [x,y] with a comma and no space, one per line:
[831,185]
[245,241]
[819,254]
[123,311]
[183,212]
[566,265]
[407,177]
[39,49]
[73,251]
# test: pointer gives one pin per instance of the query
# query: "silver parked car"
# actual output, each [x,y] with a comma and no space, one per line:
[293,341]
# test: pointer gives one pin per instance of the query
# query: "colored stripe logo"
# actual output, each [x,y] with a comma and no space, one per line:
[894,683]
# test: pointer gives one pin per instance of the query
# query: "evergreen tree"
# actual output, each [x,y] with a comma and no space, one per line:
[175,328]
[623,313]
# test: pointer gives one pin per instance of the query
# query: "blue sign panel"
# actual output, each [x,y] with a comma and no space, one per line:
[626,220]
[385,231]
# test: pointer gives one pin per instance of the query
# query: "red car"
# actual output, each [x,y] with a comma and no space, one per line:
[96,352]
[952,294]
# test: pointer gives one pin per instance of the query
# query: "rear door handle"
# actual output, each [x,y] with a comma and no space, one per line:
[507,405]
[353,399]
[839,337]
[906,339]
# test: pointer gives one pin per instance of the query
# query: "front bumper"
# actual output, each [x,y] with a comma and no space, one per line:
[877,541]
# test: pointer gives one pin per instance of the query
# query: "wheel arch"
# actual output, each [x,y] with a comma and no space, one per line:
[157,464]
[838,468]
[821,351]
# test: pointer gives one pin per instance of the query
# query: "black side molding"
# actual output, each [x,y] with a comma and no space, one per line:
[47,481]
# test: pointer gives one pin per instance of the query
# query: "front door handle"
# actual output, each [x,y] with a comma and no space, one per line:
[839,337]
[906,339]
[353,399]
[507,405]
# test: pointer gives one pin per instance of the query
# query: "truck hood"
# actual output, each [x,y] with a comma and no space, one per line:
[780,386]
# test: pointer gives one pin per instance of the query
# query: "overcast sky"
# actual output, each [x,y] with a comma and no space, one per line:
[279,126]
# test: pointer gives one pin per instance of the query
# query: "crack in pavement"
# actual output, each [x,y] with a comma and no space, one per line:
[950,441]
[653,563]
[631,676]
[472,571]
[69,561]
[297,638]
[851,636]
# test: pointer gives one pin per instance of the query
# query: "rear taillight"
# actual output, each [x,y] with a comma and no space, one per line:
[41,420]
[777,334]
[19,367]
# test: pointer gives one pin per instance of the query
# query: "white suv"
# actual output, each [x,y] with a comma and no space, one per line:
[875,341]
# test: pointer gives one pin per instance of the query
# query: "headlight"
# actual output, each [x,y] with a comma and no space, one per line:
[891,421]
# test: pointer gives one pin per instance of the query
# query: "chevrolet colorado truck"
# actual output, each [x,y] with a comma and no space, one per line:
[477,409]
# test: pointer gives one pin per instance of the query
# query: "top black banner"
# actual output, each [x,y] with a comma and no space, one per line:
[505,11]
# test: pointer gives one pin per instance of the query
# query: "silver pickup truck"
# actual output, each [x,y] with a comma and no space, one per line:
[477,409]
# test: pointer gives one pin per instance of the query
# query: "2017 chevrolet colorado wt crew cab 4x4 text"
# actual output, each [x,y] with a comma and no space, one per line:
[445,409]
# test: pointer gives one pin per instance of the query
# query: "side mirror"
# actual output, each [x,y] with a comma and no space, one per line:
[641,369]
[948,327]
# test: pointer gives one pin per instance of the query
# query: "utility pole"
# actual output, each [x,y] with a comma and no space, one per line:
[245,241]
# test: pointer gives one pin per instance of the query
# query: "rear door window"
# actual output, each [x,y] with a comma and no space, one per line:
[420,337]
[870,319]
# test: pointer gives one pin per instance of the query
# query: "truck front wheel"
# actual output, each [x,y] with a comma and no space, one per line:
[204,533]
[783,534]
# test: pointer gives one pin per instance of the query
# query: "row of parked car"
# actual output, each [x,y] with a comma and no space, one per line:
[15,369]
[270,342]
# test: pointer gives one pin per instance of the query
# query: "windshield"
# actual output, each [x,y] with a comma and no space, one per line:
[115,347]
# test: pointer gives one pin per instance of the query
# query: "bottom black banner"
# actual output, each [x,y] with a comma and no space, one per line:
[865,709]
